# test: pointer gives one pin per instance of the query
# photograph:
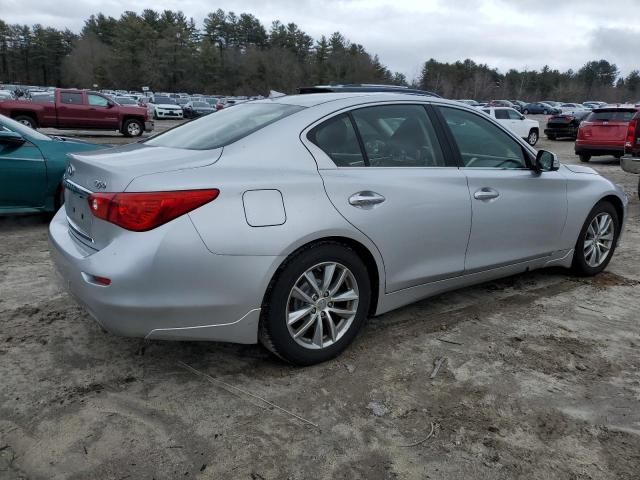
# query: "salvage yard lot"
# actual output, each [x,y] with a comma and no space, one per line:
[539,378]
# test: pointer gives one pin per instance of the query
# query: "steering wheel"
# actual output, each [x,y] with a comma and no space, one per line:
[509,160]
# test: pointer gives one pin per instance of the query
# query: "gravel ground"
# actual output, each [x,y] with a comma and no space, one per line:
[539,377]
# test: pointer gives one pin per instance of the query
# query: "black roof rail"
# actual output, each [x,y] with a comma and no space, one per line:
[365,88]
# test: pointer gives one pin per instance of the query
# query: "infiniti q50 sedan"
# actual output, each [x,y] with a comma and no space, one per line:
[289,221]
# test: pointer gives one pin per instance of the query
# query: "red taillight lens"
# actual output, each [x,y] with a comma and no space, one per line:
[631,136]
[142,211]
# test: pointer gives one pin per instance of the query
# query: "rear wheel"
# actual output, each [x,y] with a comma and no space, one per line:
[545,112]
[585,157]
[132,128]
[532,138]
[316,304]
[526,112]
[26,120]
[617,156]
[597,240]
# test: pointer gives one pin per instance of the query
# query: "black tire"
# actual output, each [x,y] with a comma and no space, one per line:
[584,157]
[132,128]
[273,331]
[155,114]
[617,156]
[526,112]
[533,137]
[27,120]
[579,264]
[551,136]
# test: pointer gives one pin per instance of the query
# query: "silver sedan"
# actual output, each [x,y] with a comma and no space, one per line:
[290,221]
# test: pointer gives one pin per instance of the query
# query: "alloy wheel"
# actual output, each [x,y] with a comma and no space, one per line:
[133,129]
[598,239]
[533,138]
[322,305]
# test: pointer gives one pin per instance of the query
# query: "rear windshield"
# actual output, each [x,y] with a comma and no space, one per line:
[223,128]
[611,116]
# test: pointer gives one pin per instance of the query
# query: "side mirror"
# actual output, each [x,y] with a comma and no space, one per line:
[110,104]
[546,161]
[9,138]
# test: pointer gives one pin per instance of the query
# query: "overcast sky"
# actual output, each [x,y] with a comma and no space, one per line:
[502,33]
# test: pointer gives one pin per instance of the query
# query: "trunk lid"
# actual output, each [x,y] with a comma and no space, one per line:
[112,171]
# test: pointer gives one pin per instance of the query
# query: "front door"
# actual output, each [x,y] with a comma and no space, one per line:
[101,114]
[394,183]
[518,214]
[23,176]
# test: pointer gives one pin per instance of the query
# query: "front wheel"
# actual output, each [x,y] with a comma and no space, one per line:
[597,240]
[585,157]
[132,128]
[26,120]
[532,139]
[316,304]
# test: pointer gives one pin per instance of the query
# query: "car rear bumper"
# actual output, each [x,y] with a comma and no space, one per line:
[630,164]
[169,114]
[165,284]
[598,149]
[561,131]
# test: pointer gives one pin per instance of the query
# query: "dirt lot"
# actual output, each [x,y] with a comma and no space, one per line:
[541,379]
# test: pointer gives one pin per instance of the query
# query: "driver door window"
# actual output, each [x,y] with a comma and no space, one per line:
[481,143]
[97,101]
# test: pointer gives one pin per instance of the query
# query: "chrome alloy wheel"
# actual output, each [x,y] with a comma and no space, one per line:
[598,240]
[133,129]
[322,305]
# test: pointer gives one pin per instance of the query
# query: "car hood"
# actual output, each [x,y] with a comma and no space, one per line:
[168,106]
[581,169]
[132,109]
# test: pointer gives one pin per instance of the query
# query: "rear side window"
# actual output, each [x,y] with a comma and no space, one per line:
[611,116]
[224,127]
[481,143]
[71,98]
[398,136]
[502,115]
[337,138]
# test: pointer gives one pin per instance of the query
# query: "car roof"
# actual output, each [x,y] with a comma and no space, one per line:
[306,100]
[364,87]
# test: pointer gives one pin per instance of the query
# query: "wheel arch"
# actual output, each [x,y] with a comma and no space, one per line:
[132,117]
[374,267]
[617,204]
[27,113]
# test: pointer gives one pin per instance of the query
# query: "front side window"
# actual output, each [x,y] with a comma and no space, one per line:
[398,136]
[223,128]
[502,115]
[482,144]
[71,98]
[513,115]
[97,101]
[337,138]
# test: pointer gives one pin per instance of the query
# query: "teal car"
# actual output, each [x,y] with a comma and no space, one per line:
[31,167]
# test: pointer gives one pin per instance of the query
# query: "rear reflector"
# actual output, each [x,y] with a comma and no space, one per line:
[102,280]
[143,211]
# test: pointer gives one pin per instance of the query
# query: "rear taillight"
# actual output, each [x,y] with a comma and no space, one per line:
[631,136]
[142,211]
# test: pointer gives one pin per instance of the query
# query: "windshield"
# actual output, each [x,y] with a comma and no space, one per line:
[9,124]
[164,100]
[223,128]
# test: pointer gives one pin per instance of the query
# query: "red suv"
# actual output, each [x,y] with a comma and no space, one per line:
[604,132]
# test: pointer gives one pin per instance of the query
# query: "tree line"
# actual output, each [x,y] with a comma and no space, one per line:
[234,54]
[596,80]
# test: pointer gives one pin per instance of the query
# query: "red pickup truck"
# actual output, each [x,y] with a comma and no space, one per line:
[80,110]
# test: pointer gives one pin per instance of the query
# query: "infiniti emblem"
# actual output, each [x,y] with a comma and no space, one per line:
[71,170]
[100,184]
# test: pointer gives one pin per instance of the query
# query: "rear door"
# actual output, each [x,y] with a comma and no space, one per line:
[394,182]
[72,110]
[608,127]
[518,214]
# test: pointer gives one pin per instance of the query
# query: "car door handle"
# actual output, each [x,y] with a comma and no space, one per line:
[486,194]
[366,199]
